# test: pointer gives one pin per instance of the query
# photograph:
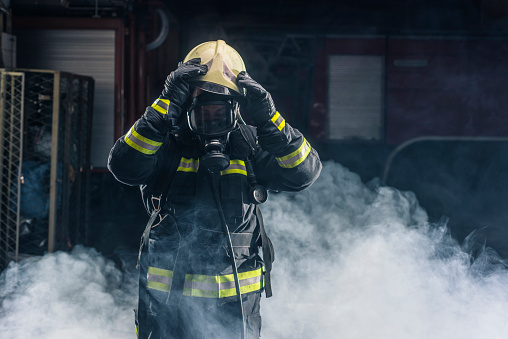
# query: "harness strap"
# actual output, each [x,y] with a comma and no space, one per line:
[268,252]
[142,311]
[146,235]
[266,243]
[158,199]
[167,172]
[178,279]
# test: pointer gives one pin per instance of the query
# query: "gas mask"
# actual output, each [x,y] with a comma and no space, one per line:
[212,117]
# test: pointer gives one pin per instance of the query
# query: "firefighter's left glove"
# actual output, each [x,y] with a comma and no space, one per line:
[258,103]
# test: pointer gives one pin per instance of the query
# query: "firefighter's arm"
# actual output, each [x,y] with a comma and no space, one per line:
[286,160]
[134,157]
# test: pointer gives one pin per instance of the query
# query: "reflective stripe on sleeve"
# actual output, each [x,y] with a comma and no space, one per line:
[278,120]
[159,279]
[295,158]
[188,165]
[235,166]
[161,105]
[140,143]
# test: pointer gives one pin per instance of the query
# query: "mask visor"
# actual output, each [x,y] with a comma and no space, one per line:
[211,118]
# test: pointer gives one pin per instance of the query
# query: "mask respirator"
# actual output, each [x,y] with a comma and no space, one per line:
[211,117]
[214,159]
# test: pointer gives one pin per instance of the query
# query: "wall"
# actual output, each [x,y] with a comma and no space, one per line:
[443,86]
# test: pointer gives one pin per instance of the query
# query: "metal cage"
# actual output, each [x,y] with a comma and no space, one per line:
[45,133]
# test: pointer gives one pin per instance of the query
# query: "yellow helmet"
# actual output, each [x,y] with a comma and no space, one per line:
[224,63]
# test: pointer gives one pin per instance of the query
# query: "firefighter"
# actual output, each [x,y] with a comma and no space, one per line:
[203,173]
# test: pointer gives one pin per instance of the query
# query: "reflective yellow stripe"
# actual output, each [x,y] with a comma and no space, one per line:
[230,292]
[278,120]
[158,286]
[159,279]
[222,286]
[188,165]
[233,171]
[161,105]
[295,158]
[235,166]
[142,138]
[189,169]
[137,333]
[223,278]
[208,286]
[199,293]
[140,143]
[160,271]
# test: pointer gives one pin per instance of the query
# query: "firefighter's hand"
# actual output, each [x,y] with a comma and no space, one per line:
[176,88]
[258,103]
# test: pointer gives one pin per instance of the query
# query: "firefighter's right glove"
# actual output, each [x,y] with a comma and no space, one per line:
[258,103]
[176,89]
[168,107]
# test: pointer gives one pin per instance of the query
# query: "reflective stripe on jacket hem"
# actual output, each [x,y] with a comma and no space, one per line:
[207,286]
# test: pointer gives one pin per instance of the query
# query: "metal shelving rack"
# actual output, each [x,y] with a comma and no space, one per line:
[45,133]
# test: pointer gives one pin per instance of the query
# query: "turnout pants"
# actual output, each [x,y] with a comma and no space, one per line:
[195,318]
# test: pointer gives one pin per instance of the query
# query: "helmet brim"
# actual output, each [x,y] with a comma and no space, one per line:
[213,88]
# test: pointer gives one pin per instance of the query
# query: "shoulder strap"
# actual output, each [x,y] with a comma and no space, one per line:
[250,136]
[164,178]
[166,172]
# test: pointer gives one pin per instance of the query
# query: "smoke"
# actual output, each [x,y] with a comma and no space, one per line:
[352,261]
[67,295]
[362,261]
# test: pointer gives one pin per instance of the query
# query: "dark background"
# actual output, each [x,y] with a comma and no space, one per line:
[445,126]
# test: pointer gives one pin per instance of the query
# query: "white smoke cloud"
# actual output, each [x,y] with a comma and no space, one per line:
[352,261]
[66,295]
[363,262]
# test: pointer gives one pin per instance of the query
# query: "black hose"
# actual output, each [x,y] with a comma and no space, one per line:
[214,184]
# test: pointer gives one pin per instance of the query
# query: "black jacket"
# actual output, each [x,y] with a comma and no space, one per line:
[283,161]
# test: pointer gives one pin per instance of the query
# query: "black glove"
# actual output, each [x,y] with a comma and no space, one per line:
[176,89]
[258,102]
